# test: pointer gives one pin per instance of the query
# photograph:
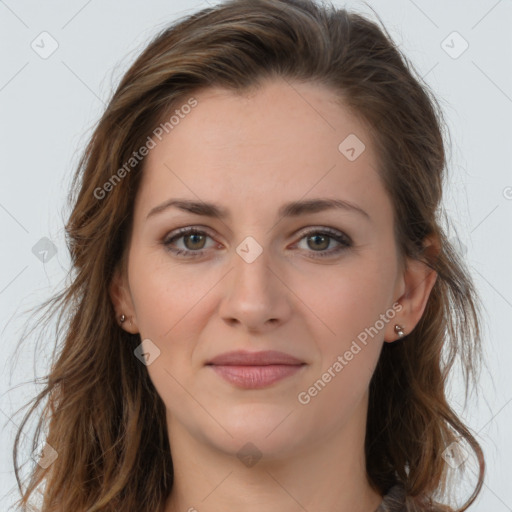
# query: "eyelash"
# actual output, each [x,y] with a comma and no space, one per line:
[339,237]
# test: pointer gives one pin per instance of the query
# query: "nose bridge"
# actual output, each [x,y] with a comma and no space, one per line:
[254,295]
[252,273]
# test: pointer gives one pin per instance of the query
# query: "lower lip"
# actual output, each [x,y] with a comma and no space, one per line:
[254,377]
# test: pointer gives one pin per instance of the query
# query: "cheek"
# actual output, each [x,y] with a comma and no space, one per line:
[346,300]
[166,295]
[170,303]
[347,328]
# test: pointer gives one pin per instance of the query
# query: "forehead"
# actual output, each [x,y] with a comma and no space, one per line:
[282,140]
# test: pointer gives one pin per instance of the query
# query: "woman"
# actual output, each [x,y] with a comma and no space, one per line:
[291,359]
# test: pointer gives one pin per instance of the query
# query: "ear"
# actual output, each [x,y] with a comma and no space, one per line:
[121,298]
[414,285]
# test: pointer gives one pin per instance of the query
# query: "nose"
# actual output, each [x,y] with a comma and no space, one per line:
[255,297]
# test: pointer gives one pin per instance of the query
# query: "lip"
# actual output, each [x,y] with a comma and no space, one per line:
[245,358]
[254,370]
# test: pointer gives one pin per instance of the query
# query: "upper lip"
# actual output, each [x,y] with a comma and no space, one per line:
[245,358]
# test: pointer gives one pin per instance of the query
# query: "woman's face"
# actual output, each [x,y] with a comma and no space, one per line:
[320,284]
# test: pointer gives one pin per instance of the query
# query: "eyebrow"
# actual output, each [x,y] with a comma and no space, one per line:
[291,209]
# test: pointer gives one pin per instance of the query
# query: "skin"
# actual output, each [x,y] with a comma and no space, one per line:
[251,153]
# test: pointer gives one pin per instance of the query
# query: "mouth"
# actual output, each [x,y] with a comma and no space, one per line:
[255,370]
[255,377]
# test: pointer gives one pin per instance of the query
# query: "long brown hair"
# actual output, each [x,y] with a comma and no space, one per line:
[102,415]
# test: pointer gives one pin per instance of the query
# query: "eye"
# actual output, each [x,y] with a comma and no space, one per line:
[193,240]
[318,239]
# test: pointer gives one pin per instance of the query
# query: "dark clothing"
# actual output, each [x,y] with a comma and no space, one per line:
[393,500]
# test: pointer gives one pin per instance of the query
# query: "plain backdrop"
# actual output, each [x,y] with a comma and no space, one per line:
[59,62]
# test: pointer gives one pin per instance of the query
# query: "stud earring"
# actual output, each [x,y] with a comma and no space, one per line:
[122,319]
[399,330]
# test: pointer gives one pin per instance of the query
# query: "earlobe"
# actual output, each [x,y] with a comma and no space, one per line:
[122,302]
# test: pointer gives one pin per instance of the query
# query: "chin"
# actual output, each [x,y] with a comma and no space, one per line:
[259,429]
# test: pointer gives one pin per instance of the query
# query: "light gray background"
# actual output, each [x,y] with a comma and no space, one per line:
[49,106]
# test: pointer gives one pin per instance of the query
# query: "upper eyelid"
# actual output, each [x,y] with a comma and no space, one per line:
[186,230]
